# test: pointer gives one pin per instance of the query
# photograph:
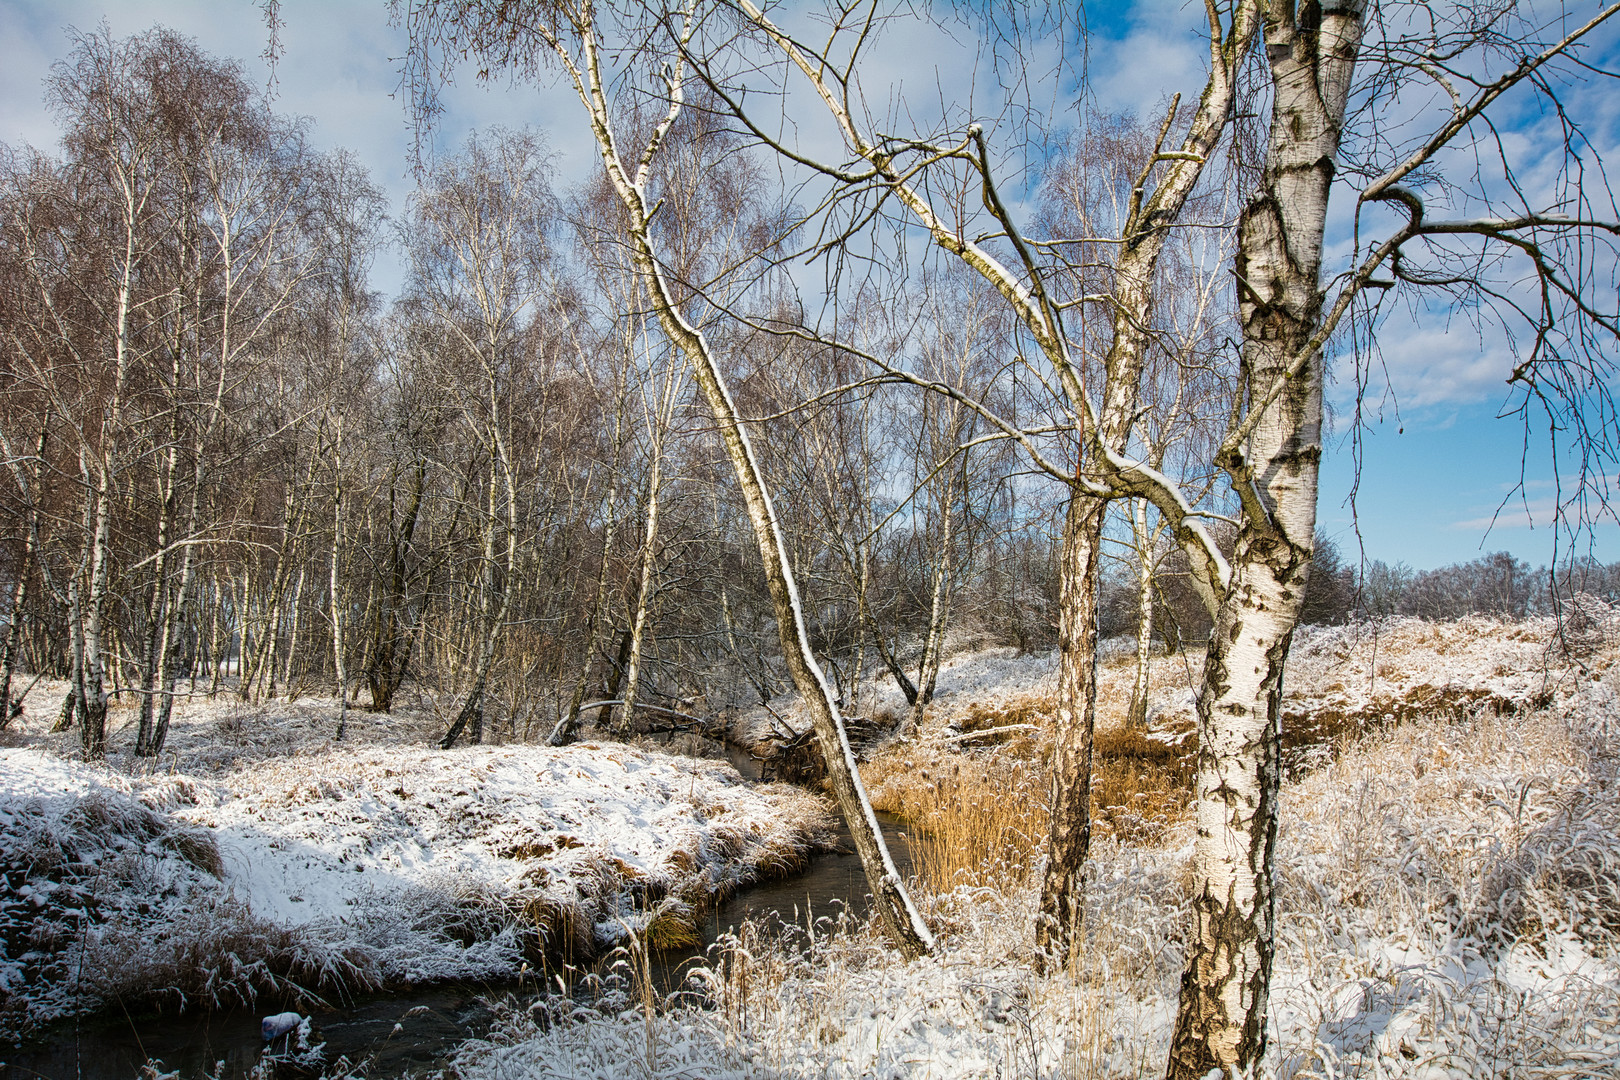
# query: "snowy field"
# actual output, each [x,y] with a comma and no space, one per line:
[1449,904]
[1448,861]
[262,858]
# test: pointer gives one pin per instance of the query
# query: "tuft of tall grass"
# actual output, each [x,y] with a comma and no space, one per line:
[979,818]
[978,821]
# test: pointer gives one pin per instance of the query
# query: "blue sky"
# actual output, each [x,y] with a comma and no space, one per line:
[1435,468]
[1432,485]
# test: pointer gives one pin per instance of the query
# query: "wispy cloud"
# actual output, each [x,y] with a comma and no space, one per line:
[1429,365]
[1514,514]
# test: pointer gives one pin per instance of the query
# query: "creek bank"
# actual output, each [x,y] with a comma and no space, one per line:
[419,1029]
[338,871]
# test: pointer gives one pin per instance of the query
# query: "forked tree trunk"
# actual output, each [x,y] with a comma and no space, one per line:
[492,612]
[1062,906]
[1146,543]
[1221,1022]
[649,553]
[1133,297]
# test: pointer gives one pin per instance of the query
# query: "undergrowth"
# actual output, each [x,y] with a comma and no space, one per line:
[1447,891]
[106,900]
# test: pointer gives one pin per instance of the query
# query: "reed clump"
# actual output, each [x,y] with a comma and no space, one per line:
[1141,785]
[978,815]
[976,821]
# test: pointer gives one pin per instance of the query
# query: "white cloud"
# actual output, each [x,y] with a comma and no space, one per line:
[1514,514]
[339,66]
[1430,366]
[1165,51]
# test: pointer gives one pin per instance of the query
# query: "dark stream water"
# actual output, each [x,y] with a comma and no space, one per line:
[430,1021]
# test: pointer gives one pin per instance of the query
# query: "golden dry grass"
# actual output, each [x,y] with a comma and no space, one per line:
[978,812]
[978,806]
[977,800]
[975,820]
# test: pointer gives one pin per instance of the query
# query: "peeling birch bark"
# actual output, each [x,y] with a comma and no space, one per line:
[1221,1021]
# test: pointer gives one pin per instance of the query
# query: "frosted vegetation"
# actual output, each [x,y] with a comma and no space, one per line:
[601,469]
[1449,864]
[1448,860]
[263,861]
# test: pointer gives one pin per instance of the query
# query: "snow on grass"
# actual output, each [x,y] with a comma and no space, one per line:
[588,827]
[1448,895]
[1448,898]
[266,858]
[106,898]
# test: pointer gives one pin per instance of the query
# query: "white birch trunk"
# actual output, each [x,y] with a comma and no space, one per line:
[938,611]
[335,585]
[1221,1022]
[659,425]
[900,917]
[1147,540]
[638,622]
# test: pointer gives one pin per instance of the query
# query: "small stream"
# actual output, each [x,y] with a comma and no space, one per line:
[415,1030]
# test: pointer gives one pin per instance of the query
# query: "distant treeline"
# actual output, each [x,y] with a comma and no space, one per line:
[1342,588]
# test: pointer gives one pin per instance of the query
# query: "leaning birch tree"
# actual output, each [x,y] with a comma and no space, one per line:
[567,35]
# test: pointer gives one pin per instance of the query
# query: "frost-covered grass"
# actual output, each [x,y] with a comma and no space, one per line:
[261,858]
[1449,906]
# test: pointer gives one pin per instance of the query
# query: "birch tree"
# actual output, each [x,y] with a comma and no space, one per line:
[478,243]
[84,237]
[567,35]
[926,179]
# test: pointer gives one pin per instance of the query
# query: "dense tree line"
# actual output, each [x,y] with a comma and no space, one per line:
[233,467]
[1497,584]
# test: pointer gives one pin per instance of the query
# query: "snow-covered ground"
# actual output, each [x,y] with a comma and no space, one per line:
[1449,907]
[261,856]
[1448,885]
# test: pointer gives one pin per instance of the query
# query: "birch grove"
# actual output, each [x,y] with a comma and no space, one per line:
[807,383]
